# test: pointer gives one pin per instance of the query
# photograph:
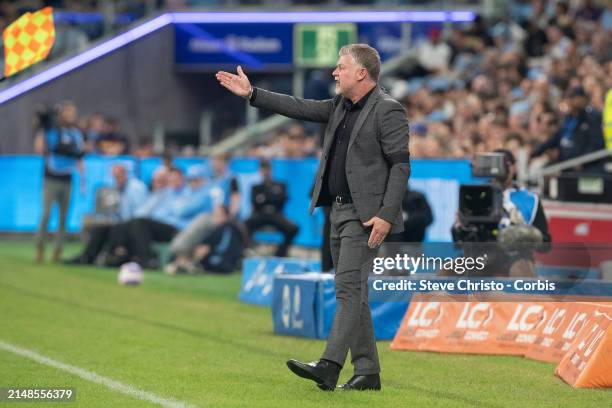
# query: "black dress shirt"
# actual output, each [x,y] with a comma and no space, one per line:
[335,182]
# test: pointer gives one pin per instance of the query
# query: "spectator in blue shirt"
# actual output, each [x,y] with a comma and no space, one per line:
[156,221]
[63,147]
[221,250]
[204,197]
[198,197]
[224,179]
[132,193]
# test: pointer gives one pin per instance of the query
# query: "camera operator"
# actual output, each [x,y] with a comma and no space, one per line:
[62,144]
[521,228]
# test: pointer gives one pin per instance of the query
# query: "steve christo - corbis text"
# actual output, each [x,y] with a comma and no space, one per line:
[476,285]
[409,264]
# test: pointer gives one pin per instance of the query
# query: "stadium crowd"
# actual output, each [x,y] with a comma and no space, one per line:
[527,84]
[520,86]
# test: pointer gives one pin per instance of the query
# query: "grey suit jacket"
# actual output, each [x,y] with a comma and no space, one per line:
[377,161]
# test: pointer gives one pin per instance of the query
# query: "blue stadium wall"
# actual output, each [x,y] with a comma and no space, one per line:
[22,180]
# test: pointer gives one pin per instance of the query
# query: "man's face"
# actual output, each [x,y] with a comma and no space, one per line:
[195,183]
[218,165]
[68,114]
[160,180]
[347,74]
[120,176]
[176,179]
[266,173]
[96,123]
[578,103]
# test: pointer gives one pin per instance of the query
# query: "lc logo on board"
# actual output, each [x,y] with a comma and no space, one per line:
[527,320]
[475,316]
[425,314]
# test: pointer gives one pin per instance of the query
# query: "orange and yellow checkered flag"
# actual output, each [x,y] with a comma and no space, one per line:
[28,40]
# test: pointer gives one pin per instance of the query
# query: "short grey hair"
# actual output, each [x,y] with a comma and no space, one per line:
[365,56]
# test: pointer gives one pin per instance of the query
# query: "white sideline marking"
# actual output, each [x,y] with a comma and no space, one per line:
[93,377]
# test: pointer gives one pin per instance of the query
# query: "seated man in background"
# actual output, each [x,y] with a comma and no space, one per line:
[221,250]
[157,220]
[225,180]
[268,199]
[131,194]
[204,197]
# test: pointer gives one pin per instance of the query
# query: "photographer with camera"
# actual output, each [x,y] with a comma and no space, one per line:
[501,221]
[61,143]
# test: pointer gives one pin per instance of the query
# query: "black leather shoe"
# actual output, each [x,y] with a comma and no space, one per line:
[324,373]
[362,383]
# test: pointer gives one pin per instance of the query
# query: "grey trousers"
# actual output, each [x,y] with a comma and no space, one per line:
[186,240]
[54,191]
[352,327]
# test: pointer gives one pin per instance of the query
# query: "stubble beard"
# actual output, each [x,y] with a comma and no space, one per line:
[339,91]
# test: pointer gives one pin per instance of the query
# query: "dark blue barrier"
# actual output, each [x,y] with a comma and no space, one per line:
[293,303]
[258,276]
[304,305]
[21,190]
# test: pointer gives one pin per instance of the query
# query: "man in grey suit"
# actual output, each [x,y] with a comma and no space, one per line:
[363,174]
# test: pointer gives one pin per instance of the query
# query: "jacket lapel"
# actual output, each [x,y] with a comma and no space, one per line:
[329,137]
[364,114]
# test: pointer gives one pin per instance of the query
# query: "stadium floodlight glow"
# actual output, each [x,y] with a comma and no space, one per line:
[163,20]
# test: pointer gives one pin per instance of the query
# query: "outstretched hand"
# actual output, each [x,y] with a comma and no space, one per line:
[237,84]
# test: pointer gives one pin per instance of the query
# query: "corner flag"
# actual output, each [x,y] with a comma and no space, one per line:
[28,40]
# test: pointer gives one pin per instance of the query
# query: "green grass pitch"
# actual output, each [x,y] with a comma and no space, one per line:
[189,339]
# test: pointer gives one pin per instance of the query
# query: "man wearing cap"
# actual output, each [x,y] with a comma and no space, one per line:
[362,175]
[581,132]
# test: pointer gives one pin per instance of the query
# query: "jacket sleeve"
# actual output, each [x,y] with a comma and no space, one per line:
[394,136]
[290,106]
